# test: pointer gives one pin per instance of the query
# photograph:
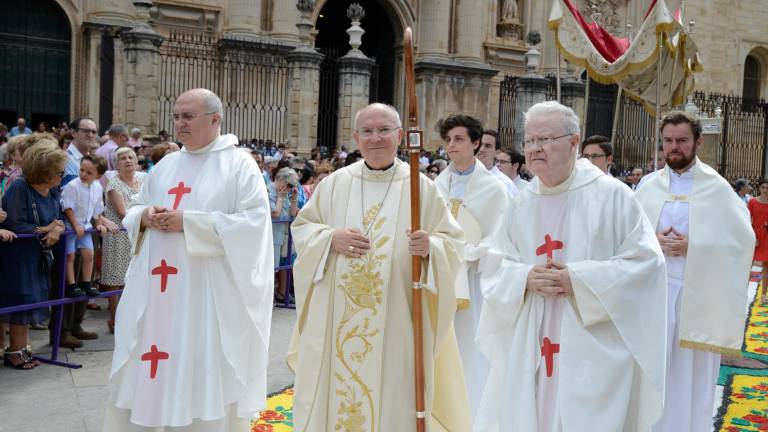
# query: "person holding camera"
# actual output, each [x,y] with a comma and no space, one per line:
[284,205]
[32,206]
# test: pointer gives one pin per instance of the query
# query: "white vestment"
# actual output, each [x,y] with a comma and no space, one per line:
[352,347]
[692,369]
[520,183]
[477,201]
[192,327]
[593,360]
[507,182]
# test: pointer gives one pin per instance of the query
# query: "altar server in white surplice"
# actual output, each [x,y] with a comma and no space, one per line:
[192,328]
[706,236]
[573,319]
[476,199]
[352,347]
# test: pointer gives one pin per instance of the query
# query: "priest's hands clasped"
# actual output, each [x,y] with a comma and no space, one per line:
[350,243]
[673,243]
[162,219]
[552,280]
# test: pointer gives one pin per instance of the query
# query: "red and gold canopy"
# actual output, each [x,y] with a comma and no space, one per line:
[631,64]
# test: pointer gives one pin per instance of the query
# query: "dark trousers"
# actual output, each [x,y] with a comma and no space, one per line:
[73,312]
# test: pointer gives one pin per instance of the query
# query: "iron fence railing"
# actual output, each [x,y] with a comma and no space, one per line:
[250,77]
[743,142]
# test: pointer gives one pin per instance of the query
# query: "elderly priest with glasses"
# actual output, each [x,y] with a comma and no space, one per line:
[573,319]
[193,323]
[352,348]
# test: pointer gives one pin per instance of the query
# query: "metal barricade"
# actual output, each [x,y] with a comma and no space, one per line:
[58,303]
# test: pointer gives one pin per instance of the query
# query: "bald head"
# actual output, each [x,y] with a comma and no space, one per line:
[197,118]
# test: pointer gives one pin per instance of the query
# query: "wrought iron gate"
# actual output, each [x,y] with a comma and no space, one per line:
[744,138]
[328,104]
[507,107]
[743,141]
[35,47]
[250,77]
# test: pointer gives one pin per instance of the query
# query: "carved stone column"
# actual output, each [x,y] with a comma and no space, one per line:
[433,31]
[531,88]
[142,53]
[469,41]
[93,71]
[354,91]
[303,97]
[303,84]
[243,17]
[284,18]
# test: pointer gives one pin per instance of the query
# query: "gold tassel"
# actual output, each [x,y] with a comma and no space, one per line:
[710,348]
[462,304]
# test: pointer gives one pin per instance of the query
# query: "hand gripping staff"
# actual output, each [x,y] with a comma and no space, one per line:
[414,137]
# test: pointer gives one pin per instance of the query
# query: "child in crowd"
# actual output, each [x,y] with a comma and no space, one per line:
[82,201]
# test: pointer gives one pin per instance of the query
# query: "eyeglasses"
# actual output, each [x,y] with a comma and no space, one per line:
[370,132]
[187,117]
[88,131]
[593,156]
[543,141]
[502,162]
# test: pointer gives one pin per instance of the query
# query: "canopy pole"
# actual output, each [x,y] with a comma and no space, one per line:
[656,132]
[586,106]
[559,90]
[616,112]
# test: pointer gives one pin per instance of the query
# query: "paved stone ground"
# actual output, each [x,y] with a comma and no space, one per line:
[52,398]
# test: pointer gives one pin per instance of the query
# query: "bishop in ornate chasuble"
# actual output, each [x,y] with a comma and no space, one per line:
[352,348]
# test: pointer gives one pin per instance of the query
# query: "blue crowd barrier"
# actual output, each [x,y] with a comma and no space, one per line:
[63,299]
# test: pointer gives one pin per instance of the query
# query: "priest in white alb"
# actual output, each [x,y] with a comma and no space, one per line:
[705,233]
[192,328]
[573,319]
[352,347]
[476,199]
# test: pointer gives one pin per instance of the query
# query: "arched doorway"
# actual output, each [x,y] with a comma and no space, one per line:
[754,75]
[34,74]
[333,42]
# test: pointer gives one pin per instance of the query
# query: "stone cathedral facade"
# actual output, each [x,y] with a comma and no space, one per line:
[285,68]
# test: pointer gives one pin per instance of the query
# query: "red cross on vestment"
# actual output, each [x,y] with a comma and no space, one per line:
[154,356]
[164,270]
[549,246]
[548,351]
[179,191]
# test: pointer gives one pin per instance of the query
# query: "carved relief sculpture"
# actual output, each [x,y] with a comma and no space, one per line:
[509,26]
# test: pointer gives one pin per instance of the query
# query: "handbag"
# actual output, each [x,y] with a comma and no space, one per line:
[45,265]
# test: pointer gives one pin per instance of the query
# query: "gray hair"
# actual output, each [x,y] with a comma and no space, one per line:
[117,130]
[384,107]
[135,131]
[285,174]
[570,121]
[212,102]
[441,164]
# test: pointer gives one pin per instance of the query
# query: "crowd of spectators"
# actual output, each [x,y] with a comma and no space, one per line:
[69,178]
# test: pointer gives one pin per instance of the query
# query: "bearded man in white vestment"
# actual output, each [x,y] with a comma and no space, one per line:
[573,318]
[705,233]
[192,328]
[476,200]
[352,347]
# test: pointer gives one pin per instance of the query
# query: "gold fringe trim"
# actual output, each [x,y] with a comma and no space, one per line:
[462,304]
[710,348]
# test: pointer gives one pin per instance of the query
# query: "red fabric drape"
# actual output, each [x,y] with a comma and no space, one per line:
[609,46]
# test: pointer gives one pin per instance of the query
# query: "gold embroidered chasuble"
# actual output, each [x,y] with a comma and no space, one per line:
[352,348]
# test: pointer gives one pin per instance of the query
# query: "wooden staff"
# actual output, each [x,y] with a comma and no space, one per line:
[414,149]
